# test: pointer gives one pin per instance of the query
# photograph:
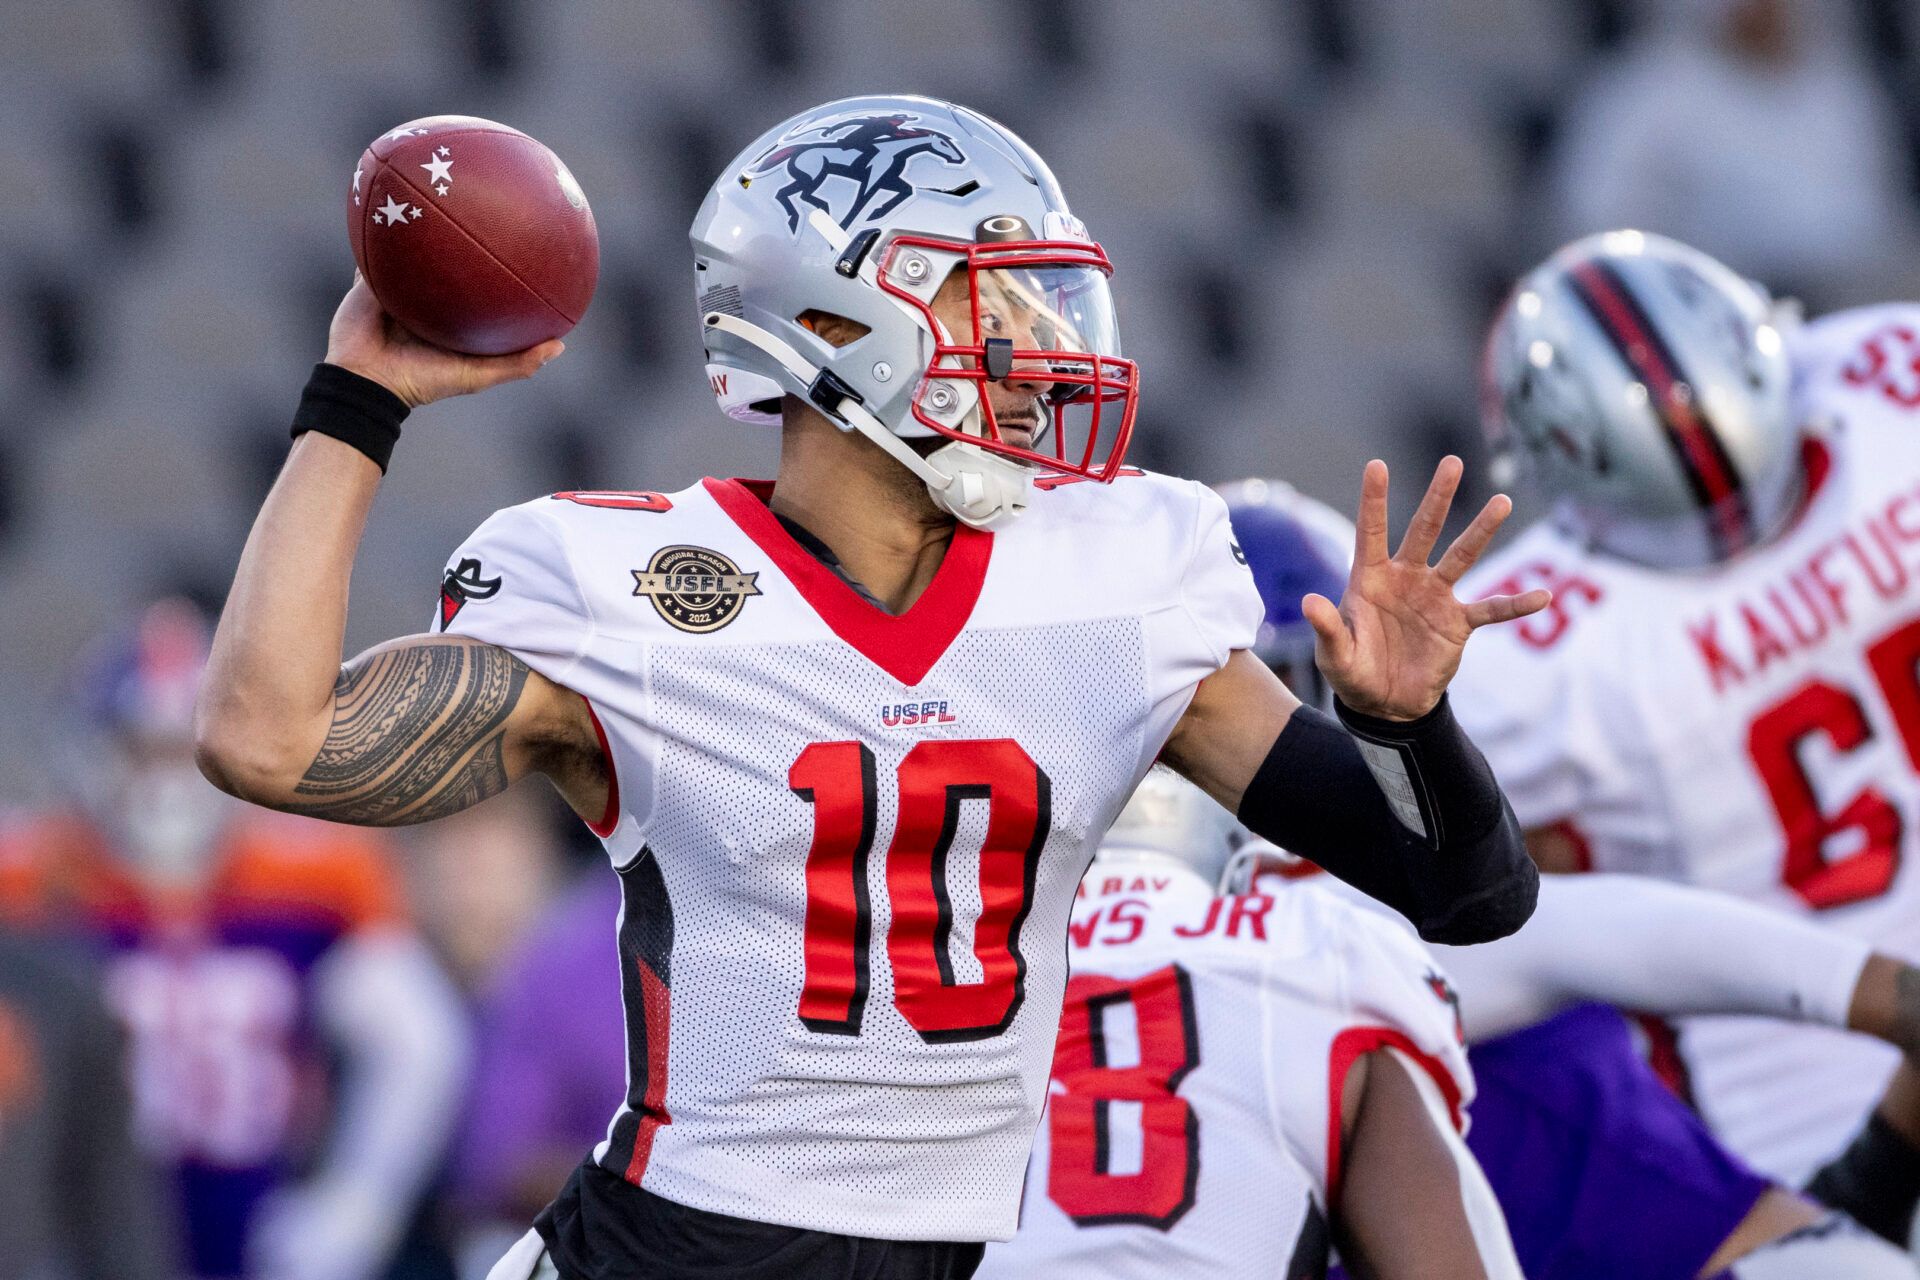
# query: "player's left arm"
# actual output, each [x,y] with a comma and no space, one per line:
[1675,951]
[1412,1202]
[1672,950]
[1391,797]
[1877,1178]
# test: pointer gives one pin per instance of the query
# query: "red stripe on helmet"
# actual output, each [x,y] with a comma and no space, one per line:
[1702,454]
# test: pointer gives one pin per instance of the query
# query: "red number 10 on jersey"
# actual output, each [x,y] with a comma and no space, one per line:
[838,780]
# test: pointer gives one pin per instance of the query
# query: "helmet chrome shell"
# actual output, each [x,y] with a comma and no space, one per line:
[1170,819]
[1643,388]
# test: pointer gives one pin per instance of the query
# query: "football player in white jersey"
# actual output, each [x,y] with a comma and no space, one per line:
[1725,691]
[1572,1127]
[850,738]
[1244,1079]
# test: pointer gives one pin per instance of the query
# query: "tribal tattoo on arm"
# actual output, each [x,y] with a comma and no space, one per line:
[418,732]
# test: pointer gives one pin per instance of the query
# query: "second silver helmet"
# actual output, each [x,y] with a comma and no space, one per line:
[1644,388]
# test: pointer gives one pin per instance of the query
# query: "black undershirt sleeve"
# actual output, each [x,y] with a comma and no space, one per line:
[1408,813]
[1876,1180]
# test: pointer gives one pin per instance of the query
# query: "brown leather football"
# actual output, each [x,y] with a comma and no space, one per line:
[472,234]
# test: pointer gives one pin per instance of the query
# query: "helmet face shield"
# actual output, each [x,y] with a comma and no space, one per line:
[1025,335]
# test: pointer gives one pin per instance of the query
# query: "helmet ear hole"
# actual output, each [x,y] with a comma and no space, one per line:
[836,331]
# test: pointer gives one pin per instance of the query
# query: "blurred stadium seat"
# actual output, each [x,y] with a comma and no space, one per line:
[1306,203]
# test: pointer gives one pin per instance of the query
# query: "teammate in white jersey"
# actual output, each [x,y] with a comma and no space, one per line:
[1189,1137]
[1725,691]
[1573,1129]
[1242,1079]
[850,738]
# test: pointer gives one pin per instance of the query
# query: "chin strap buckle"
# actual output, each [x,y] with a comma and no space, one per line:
[828,390]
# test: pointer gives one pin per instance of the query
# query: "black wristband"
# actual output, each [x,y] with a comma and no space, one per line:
[358,411]
[1876,1180]
[1392,730]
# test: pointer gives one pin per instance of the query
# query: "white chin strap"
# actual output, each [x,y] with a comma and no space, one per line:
[979,488]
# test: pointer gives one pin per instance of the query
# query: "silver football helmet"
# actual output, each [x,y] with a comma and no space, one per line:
[1170,819]
[1644,388]
[946,239]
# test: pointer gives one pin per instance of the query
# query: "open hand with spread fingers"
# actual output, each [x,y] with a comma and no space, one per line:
[1395,639]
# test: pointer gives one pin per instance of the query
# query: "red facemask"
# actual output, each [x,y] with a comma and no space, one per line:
[1041,315]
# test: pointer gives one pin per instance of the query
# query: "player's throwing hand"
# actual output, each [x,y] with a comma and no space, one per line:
[368,341]
[1393,643]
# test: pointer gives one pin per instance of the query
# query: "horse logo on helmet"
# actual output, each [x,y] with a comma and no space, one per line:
[870,152]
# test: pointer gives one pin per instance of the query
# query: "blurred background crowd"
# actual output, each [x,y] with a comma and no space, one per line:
[232,1044]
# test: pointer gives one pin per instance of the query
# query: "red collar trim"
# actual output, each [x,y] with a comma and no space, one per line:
[904,646]
[1818,461]
[610,815]
[1816,465]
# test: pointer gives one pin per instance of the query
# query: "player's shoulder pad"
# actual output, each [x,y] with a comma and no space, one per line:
[1839,333]
[586,513]
[30,845]
[517,579]
[1162,541]
[1862,348]
[1390,977]
[30,836]
[1143,519]
[1136,498]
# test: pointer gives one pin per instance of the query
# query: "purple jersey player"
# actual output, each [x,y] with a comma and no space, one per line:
[295,1051]
[1572,1128]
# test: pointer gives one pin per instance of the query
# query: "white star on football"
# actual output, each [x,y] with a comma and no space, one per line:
[404,132]
[440,190]
[439,169]
[445,152]
[394,210]
[356,179]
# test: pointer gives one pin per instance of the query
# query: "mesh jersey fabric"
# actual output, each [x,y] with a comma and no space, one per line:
[1201,1136]
[848,840]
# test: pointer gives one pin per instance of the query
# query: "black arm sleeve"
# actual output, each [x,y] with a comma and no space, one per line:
[1443,849]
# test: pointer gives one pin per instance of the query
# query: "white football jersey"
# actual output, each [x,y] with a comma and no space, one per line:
[849,840]
[1753,727]
[1193,1127]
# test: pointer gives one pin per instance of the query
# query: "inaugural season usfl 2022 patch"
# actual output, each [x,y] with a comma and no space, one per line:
[694,589]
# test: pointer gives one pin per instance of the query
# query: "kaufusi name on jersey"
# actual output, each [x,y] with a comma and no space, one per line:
[1745,635]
